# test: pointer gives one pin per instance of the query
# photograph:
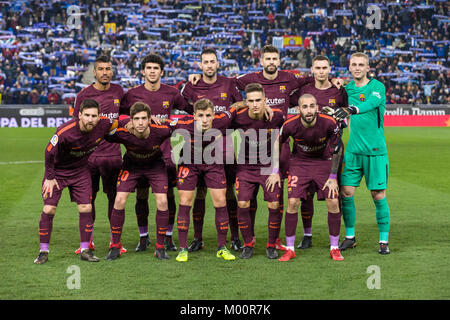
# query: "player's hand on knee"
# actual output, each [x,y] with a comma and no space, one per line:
[272,180]
[333,188]
[47,188]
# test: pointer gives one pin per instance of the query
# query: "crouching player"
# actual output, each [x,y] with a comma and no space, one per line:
[313,166]
[142,160]
[66,165]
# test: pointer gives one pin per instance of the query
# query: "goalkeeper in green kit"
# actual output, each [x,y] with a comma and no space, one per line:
[366,152]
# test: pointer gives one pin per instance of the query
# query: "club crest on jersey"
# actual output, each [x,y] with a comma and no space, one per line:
[117,102]
[165,104]
[282,89]
[332,102]
[223,96]
[362,97]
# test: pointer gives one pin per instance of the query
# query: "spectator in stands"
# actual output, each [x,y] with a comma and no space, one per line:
[53,97]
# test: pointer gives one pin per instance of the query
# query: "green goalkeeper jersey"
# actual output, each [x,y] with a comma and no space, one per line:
[366,127]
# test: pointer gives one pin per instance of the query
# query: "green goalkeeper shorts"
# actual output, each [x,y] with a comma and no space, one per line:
[375,170]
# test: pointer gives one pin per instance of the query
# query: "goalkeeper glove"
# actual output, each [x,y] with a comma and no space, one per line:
[342,113]
[328,110]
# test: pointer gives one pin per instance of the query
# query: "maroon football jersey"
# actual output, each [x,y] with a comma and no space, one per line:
[222,93]
[315,143]
[256,143]
[209,139]
[331,97]
[69,148]
[109,101]
[277,91]
[141,152]
[160,101]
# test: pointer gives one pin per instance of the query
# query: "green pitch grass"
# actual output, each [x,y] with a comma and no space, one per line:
[417,267]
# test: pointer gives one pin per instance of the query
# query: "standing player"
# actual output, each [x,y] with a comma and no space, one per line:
[66,165]
[253,169]
[222,92]
[313,166]
[203,133]
[161,98]
[106,160]
[366,152]
[327,96]
[143,160]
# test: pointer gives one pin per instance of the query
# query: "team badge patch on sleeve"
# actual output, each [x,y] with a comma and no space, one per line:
[54,140]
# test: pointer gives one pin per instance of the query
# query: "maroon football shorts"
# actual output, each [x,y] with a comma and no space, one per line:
[307,178]
[106,168]
[248,180]
[154,177]
[79,183]
[189,175]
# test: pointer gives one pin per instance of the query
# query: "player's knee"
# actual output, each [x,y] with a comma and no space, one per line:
[162,203]
[333,205]
[378,194]
[244,204]
[49,209]
[120,202]
[347,192]
[293,204]
[273,205]
[83,208]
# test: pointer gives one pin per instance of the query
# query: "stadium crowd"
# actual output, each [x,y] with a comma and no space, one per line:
[45,55]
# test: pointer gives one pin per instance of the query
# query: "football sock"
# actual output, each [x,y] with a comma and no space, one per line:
[85,225]
[162,220]
[172,211]
[349,215]
[142,212]
[221,226]
[274,223]
[383,218]
[253,209]
[334,227]
[232,214]
[183,220]
[116,223]
[290,226]
[244,224]
[198,215]
[111,199]
[45,230]
[307,212]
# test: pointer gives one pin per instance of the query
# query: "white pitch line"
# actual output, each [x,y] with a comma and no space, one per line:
[21,162]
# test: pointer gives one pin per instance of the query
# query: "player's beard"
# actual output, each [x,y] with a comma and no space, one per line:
[210,74]
[270,71]
[310,119]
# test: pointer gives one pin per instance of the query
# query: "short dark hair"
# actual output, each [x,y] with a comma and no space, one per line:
[254,87]
[139,107]
[102,58]
[269,49]
[153,58]
[89,104]
[321,58]
[203,104]
[209,51]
